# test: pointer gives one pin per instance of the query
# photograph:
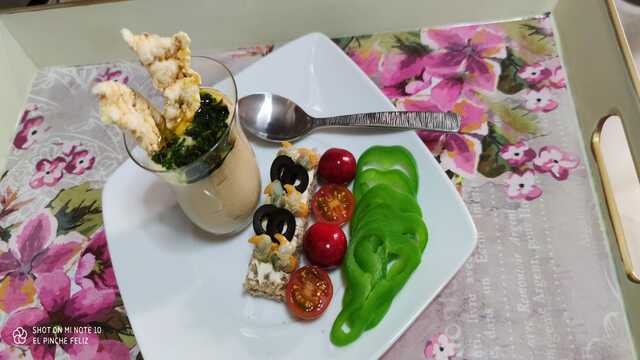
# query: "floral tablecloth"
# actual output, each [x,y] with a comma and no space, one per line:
[539,285]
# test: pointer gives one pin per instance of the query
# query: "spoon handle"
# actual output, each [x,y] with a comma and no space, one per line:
[435,121]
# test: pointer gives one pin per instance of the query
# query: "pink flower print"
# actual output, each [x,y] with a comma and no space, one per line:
[459,152]
[112,74]
[59,308]
[79,162]
[523,186]
[397,69]
[535,73]
[94,266]
[439,347]
[466,53]
[415,86]
[367,59]
[555,161]
[517,154]
[12,353]
[48,172]
[30,130]
[557,79]
[111,350]
[261,50]
[539,100]
[546,26]
[34,250]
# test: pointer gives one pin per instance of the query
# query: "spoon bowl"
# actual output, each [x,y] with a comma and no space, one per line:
[273,118]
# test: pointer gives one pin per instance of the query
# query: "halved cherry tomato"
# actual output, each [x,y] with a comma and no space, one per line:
[333,204]
[309,292]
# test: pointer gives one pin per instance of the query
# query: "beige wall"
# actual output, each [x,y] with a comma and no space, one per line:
[16,72]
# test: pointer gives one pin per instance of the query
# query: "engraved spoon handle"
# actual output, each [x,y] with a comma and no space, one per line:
[435,121]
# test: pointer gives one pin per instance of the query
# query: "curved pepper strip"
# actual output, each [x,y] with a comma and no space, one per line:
[381,225]
[390,157]
[360,311]
[372,177]
[372,257]
[406,260]
[384,195]
[358,287]
[379,300]
[379,221]
[369,256]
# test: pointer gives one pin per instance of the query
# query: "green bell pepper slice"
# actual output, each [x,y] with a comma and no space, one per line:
[380,221]
[369,178]
[406,259]
[359,312]
[347,328]
[384,195]
[390,157]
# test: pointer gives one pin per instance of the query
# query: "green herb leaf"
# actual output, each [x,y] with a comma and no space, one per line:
[208,126]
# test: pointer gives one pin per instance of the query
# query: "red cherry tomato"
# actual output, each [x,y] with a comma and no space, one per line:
[337,166]
[309,292]
[325,245]
[333,204]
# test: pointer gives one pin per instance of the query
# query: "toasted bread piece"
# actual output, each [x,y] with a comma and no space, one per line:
[168,60]
[129,110]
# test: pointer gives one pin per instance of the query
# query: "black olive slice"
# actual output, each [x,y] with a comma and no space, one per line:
[277,222]
[279,165]
[262,213]
[276,219]
[289,173]
[297,173]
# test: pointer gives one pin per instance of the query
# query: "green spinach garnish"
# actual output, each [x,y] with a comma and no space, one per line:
[209,124]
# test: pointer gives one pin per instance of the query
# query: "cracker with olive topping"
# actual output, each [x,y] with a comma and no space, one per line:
[280,223]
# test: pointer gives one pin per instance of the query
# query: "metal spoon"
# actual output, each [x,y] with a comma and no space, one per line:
[275,118]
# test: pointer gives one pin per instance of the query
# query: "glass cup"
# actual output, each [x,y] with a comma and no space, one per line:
[220,190]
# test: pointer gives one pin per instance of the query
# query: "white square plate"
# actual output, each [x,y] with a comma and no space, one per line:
[183,289]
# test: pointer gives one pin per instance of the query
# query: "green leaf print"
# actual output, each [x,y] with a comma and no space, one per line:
[533,42]
[491,164]
[5,233]
[116,326]
[405,41]
[410,46]
[516,122]
[352,42]
[509,81]
[78,208]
